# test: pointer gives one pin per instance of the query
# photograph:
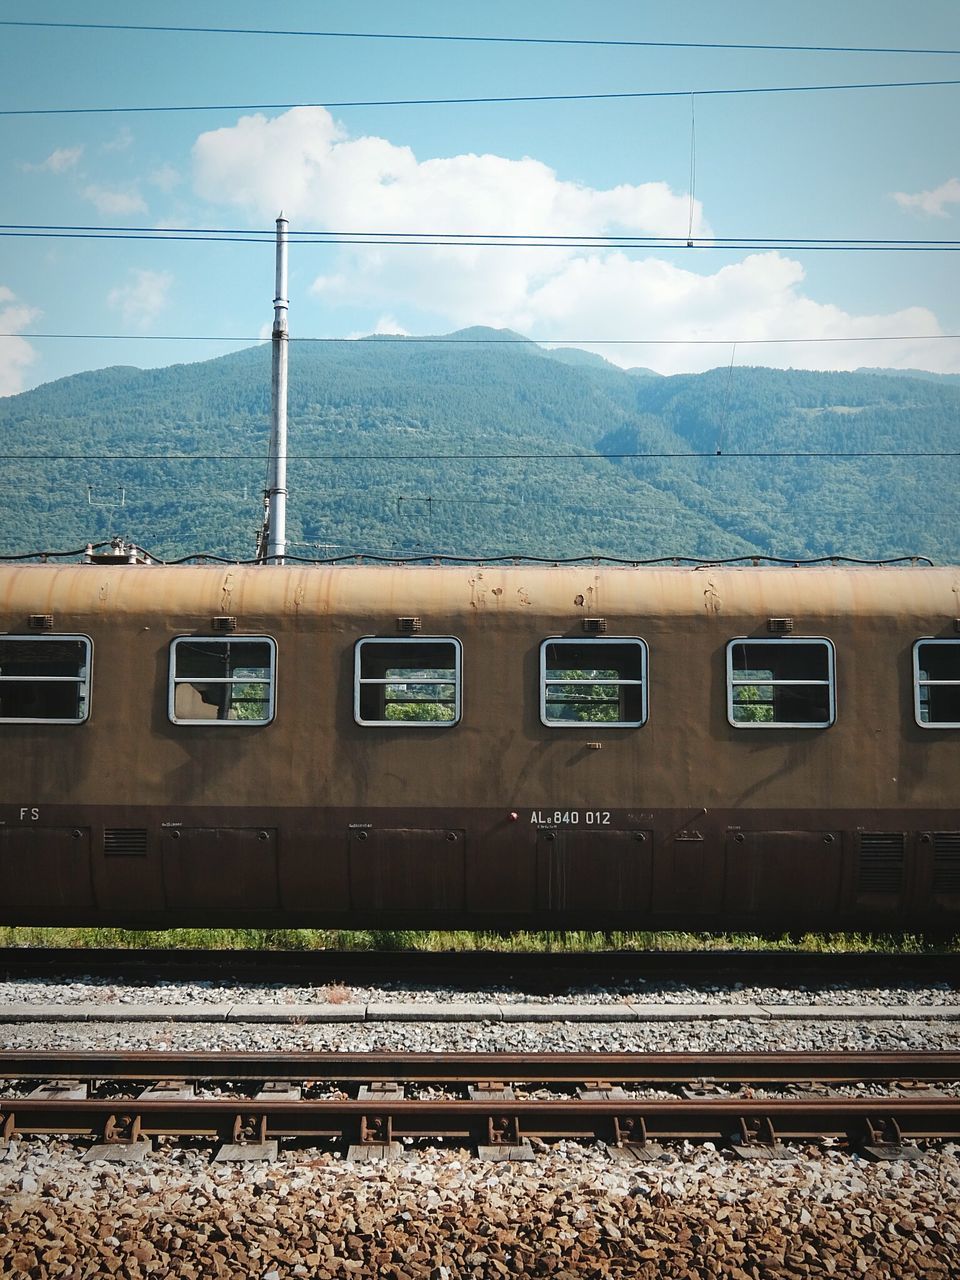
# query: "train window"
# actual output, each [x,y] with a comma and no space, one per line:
[222,681]
[936,683]
[45,678]
[781,684]
[413,682]
[593,682]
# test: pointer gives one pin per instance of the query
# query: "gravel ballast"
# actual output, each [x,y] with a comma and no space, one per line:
[85,992]
[573,1210]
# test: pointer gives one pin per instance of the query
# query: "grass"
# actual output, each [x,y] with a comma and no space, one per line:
[463,940]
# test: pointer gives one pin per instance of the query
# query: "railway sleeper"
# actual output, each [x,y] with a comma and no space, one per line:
[629,1142]
[248,1141]
[504,1138]
[757,1140]
[376,1140]
[122,1132]
[60,1090]
[884,1141]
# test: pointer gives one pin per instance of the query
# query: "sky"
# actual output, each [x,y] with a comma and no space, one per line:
[771,168]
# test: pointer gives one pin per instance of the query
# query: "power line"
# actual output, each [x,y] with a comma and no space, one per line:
[404,339]
[480,457]
[486,100]
[414,556]
[462,39]
[453,240]
[321,236]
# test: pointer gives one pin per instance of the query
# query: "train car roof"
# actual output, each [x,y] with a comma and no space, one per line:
[564,591]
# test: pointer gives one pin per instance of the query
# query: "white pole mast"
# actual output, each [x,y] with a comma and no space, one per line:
[276,494]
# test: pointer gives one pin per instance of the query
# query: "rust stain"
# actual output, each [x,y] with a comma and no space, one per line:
[711,597]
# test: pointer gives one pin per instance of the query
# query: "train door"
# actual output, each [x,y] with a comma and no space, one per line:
[400,869]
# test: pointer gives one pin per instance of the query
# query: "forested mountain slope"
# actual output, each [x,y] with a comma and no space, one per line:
[476,448]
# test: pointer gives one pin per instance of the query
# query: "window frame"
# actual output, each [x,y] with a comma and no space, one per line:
[173,680]
[85,682]
[360,681]
[581,641]
[918,683]
[830,683]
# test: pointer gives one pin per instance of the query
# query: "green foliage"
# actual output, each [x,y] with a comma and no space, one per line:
[413,448]
[429,712]
[753,703]
[462,940]
[584,703]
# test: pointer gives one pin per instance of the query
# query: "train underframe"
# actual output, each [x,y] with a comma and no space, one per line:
[701,869]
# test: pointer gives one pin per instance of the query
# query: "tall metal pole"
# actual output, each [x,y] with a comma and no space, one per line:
[277,490]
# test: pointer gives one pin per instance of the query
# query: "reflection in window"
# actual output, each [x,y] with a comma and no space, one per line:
[222,680]
[416,681]
[593,682]
[786,683]
[45,678]
[936,670]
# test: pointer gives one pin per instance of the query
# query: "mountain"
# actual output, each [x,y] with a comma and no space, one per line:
[480,443]
[580,359]
[915,373]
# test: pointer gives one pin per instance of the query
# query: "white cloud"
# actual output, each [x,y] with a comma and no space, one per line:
[115,202]
[305,163]
[58,161]
[166,178]
[15,352]
[143,297]
[385,325]
[745,302]
[388,325]
[931,202]
[123,141]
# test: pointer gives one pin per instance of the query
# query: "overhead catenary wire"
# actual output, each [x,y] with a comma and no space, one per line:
[479,100]
[693,168]
[671,454]
[451,38]
[257,235]
[398,558]
[415,240]
[726,403]
[414,339]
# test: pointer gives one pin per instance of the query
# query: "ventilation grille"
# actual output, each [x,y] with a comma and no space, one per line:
[881,862]
[946,862]
[41,621]
[411,626]
[125,840]
[595,626]
[224,622]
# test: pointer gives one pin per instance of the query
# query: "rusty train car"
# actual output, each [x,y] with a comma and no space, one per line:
[481,747]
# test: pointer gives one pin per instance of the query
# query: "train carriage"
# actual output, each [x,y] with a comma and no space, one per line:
[572,746]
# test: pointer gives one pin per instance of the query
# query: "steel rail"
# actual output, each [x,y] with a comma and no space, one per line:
[490,1115]
[469,1068]
[481,1120]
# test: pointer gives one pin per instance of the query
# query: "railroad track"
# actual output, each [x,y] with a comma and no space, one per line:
[498,1102]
